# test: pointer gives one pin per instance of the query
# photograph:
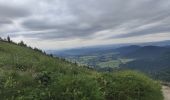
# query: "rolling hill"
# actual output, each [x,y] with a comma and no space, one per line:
[153,60]
[27,74]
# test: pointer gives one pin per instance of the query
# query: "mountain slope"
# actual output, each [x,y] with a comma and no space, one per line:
[153,60]
[27,74]
[24,73]
[147,52]
[126,49]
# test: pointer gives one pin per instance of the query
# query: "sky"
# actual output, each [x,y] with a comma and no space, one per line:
[63,24]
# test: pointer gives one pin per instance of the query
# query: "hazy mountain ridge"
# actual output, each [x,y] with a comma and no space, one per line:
[150,59]
[101,48]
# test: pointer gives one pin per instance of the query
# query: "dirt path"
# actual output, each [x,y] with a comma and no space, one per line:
[166,92]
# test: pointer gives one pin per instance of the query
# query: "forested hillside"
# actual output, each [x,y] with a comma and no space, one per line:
[27,74]
[153,60]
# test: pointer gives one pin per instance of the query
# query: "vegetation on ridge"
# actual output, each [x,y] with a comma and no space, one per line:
[27,74]
[152,60]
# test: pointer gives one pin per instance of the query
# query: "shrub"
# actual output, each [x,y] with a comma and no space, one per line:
[129,85]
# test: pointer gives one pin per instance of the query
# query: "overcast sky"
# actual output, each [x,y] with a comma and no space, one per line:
[59,24]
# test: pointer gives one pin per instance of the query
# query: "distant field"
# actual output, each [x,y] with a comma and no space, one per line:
[99,60]
[111,64]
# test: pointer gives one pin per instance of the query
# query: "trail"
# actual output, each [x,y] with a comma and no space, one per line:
[166,92]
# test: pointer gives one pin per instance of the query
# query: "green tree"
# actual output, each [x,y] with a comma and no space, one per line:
[8,39]
[22,43]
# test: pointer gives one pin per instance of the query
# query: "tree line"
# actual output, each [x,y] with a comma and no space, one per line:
[21,43]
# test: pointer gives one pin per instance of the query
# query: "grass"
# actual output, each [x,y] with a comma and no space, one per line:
[111,64]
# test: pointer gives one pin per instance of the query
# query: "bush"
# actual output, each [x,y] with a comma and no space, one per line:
[129,85]
[76,88]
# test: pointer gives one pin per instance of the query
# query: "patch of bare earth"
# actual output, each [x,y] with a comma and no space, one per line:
[166,92]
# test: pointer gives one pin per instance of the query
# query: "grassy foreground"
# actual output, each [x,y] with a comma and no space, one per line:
[26,74]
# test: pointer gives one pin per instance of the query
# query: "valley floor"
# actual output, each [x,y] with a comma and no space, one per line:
[166,92]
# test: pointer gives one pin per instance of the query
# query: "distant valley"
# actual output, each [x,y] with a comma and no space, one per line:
[153,60]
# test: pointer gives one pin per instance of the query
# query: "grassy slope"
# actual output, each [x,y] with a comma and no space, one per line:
[23,66]
[26,74]
[13,56]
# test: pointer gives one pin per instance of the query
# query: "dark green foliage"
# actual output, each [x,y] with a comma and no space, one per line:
[8,39]
[22,44]
[76,88]
[38,50]
[129,85]
[44,78]
[157,67]
[27,74]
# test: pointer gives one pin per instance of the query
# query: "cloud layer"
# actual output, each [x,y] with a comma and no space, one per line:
[84,21]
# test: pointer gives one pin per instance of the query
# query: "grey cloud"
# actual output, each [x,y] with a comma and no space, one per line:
[153,30]
[93,16]
[7,11]
[4,21]
[9,16]
[64,32]
[83,19]
[33,24]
